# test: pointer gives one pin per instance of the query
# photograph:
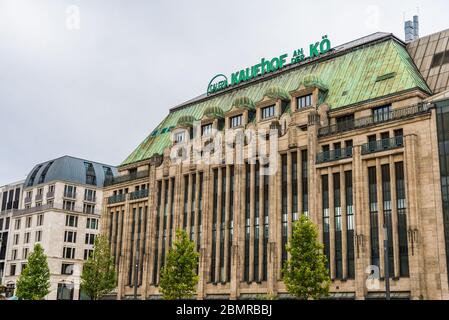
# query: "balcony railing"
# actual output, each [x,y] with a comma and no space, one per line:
[126,178]
[50,194]
[138,194]
[373,120]
[117,198]
[27,199]
[38,197]
[45,207]
[334,155]
[70,195]
[382,145]
[90,199]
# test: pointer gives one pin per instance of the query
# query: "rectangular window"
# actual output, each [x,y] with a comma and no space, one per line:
[345,123]
[374,220]
[71,221]
[17,224]
[402,220]
[90,195]
[28,222]
[349,225]
[16,239]
[381,114]
[266,212]
[14,254]
[179,137]
[89,238]
[68,253]
[88,208]
[295,196]
[268,112]
[236,121]
[222,224]
[206,130]
[67,268]
[256,222]
[284,211]
[88,253]
[26,238]
[214,227]
[69,205]
[92,223]
[325,201]
[25,253]
[231,220]
[38,236]
[386,198]
[337,228]
[305,101]
[12,270]
[70,236]
[69,191]
[247,219]
[304,183]
[40,220]
[156,250]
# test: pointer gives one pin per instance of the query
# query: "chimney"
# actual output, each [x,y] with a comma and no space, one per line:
[411,29]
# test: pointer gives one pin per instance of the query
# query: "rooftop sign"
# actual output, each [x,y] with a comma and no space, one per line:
[221,82]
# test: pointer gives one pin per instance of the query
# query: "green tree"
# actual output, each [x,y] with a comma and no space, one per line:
[305,273]
[34,281]
[98,277]
[178,277]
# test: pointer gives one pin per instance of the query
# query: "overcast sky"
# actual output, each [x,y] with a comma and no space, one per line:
[92,78]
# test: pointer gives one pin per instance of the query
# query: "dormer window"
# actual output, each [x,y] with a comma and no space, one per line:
[179,137]
[206,130]
[268,112]
[305,101]
[236,121]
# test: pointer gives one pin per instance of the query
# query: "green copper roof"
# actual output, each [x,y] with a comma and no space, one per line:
[350,78]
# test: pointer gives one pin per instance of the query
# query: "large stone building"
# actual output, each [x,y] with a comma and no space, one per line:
[60,209]
[360,134]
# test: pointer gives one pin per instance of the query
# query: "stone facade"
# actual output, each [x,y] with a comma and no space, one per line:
[352,170]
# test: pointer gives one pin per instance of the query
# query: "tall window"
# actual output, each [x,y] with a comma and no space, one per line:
[294,171]
[33,175]
[256,222]
[305,101]
[266,211]
[382,113]
[386,198]
[236,121]
[131,252]
[337,227]
[349,225]
[222,224]
[247,219]
[192,208]
[402,220]
[214,227]
[374,220]
[284,224]
[304,183]
[186,201]
[172,212]
[268,112]
[108,175]
[326,236]
[156,248]
[231,220]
